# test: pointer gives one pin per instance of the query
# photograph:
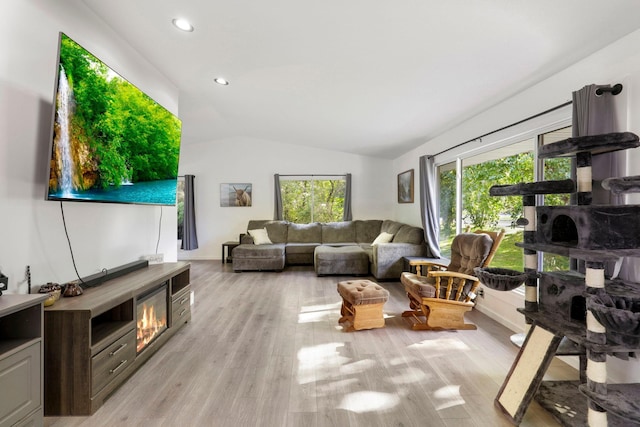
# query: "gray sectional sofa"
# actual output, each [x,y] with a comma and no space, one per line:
[343,248]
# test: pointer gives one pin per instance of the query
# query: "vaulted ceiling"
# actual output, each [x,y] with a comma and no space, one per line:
[374,77]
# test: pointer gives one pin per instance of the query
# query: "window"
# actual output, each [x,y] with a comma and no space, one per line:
[556,169]
[312,199]
[465,203]
[447,183]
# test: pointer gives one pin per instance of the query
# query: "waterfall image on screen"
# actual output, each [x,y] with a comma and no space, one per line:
[111,142]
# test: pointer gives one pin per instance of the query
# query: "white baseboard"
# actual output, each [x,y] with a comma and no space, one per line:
[499,318]
[181,257]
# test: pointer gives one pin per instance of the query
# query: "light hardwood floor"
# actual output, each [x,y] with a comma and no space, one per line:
[265,349]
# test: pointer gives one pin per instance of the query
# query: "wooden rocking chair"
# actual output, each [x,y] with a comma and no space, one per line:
[440,294]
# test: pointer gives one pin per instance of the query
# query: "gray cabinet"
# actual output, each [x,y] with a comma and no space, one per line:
[21,368]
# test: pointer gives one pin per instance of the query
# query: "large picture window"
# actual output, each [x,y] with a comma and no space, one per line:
[465,203]
[312,199]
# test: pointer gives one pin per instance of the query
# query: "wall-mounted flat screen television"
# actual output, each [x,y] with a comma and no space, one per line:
[110,141]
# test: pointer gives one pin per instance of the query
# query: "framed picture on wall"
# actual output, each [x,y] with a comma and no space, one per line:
[235,194]
[405,187]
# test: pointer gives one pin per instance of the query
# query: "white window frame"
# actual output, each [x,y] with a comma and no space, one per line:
[529,129]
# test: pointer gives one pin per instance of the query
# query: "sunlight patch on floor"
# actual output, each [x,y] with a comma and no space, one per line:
[320,362]
[317,313]
[369,401]
[331,387]
[447,397]
[407,376]
[320,307]
[440,345]
[357,367]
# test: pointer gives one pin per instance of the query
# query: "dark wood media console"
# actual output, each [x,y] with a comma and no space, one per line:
[90,340]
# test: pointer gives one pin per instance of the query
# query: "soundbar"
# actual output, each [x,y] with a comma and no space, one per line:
[99,278]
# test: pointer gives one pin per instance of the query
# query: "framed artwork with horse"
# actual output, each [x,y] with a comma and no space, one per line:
[235,194]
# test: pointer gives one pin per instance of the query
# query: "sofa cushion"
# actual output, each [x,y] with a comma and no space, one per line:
[300,248]
[338,232]
[418,285]
[260,236]
[383,237]
[304,233]
[360,292]
[390,226]
[367,230]
[469,250]
[409,234]
[277,230]
[259,251]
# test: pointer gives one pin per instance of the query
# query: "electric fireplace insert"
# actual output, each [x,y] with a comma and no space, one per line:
[151,316]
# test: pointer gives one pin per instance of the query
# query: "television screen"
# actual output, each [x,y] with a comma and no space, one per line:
[111,142]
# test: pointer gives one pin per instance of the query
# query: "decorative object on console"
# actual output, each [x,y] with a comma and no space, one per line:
[237,194]
[54,290]
[72,289]
[405,187]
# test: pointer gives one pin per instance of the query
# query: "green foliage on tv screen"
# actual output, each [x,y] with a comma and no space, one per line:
[122,133]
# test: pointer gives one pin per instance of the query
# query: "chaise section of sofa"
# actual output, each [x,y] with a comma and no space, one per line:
[252,257]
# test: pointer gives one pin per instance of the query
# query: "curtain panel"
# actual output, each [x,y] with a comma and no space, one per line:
[428,206]
[347,215]
[189,238]
[278,214]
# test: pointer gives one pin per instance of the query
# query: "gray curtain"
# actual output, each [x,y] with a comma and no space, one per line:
[428,206]
[347,215]
[594,115]
[189,237]
[278,215]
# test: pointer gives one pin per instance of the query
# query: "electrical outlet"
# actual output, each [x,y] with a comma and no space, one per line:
[480,292]
[154,258]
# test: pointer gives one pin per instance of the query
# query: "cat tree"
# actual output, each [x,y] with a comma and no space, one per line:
[572,313]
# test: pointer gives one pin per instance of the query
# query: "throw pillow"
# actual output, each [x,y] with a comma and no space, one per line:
[383,237]
[260,237]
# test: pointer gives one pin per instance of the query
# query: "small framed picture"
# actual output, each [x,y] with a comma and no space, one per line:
[235,194]
[405,187]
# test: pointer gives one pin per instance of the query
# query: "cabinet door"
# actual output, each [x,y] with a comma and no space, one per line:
[20,382]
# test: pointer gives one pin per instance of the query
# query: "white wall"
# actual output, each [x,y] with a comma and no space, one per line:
[617,63]
[102,235]
[245,160]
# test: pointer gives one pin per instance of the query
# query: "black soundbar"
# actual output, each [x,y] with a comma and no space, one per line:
[99,278]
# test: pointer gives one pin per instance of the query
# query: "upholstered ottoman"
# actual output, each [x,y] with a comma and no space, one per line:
[362,302]
[349,259]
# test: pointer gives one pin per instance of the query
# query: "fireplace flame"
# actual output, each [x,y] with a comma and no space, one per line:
[150,325]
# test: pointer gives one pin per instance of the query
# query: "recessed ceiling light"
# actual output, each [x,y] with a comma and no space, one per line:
[221,81]
[183,24]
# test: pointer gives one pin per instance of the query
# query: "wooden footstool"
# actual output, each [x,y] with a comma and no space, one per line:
[362,302]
